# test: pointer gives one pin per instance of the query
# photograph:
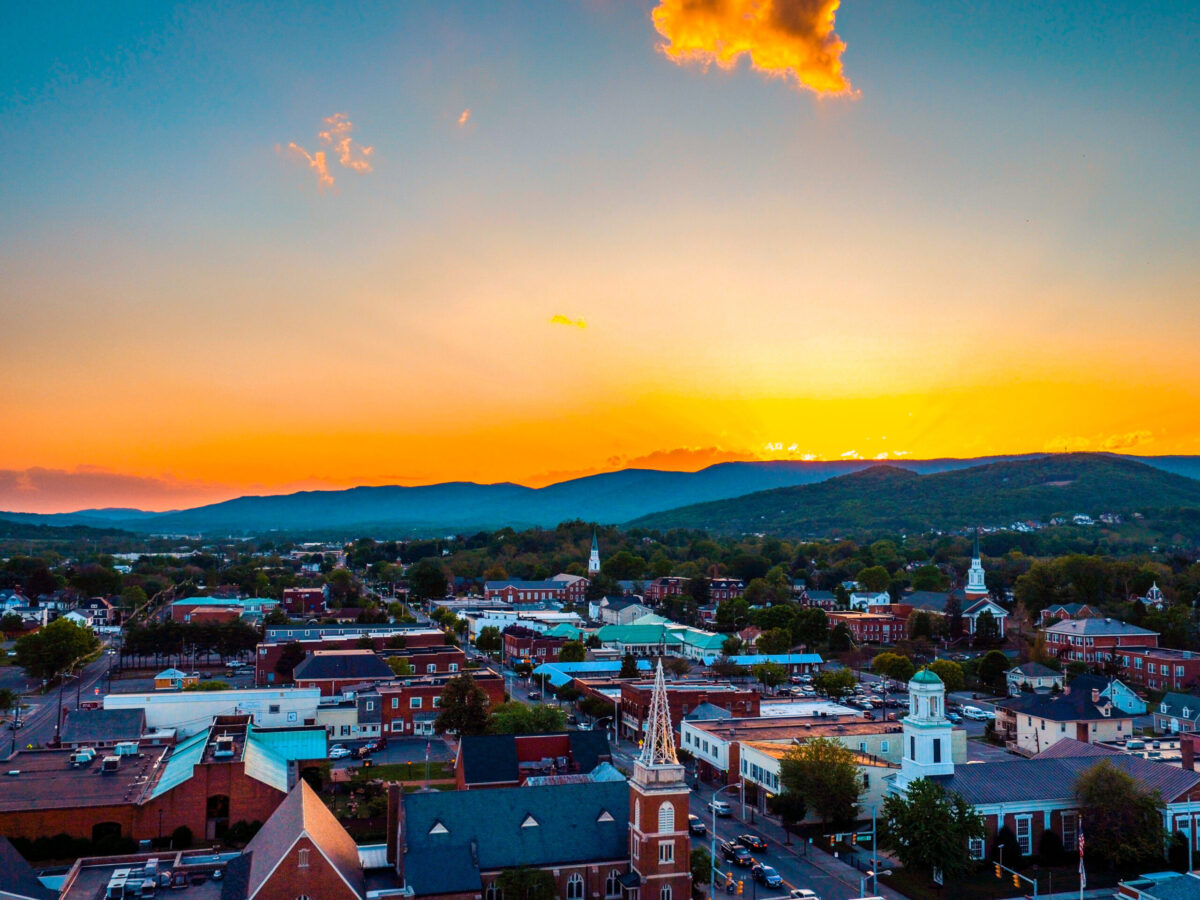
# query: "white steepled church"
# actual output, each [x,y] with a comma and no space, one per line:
[594,559]
[928,734]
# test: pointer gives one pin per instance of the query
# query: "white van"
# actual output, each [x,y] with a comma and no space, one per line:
[973,712]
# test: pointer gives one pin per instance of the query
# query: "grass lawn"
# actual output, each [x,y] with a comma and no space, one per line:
[406,771]
[983,884]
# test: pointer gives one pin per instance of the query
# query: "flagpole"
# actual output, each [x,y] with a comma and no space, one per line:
[1082,871]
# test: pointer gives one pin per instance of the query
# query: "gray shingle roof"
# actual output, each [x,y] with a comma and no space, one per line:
[103,725]
[1177,703]
[1095,627]
[336,664]
[16,876]
[1035,670]
[489,758]
[1074,705]
[483,831]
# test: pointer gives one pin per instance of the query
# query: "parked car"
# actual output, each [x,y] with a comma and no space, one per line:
[803,894]
[337,751]
[973,712]
[696,827]
[736,853]
[720,807]
[954,717]
[752,842]
[766,875]
[534,695]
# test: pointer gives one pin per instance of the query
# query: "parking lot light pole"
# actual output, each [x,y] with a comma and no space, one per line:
[712,863]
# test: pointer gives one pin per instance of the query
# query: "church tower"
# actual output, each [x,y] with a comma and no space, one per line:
[976,584]
[659,845]
[928,734]
[594,559]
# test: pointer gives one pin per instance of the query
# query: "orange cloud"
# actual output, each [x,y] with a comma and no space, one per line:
[465,117]
[564,320]
[1125,441]
[789,39]
[337,135]
[316,162]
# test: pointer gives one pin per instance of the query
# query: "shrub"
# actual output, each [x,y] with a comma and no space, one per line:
[181,838]
[1050,848]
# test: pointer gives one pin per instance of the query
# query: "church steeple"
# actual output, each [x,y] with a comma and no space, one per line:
[594,559]
[658,748]
[976,580]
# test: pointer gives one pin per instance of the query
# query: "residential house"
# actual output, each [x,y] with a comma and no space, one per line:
[1176,713]
[1122,696]
[1059,612]
[1030,723]
[1034,676]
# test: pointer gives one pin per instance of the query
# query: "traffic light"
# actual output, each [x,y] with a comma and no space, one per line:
[1016,880]
[740,885]
[999,874]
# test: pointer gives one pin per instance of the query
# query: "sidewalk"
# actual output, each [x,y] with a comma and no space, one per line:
[771,831]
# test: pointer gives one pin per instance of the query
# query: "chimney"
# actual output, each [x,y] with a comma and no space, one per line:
[1187,751]
[1096,695]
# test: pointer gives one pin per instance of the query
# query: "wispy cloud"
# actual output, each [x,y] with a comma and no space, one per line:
[1126,441]
[336,136]
[465,117]
[851,454]
[1109,442]
[789,39]
[566,320]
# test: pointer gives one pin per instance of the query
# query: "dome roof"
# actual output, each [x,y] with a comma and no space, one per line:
[925,676]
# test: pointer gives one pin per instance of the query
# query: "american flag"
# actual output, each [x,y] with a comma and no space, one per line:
[1082,873]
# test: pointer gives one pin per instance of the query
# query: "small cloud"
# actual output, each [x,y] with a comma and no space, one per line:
[1126,441]
[316,162]
[809,457]
[881,456]
[851,454]
[465,117]
[901,452]
[337,135]
[789,39]
[564,320]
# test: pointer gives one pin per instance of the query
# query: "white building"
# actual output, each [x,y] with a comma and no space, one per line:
[190,712]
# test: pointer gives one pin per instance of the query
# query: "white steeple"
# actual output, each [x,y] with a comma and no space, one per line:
[976,583]
[658,748]
[928,734]
[594,559]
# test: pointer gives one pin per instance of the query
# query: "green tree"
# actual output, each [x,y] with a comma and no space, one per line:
[950,672]
[132,597]
[840,638]
[677,666]
[526,883]
[572,651]
[835,685]
[1124,821]
[519,718]
[700,863]
[732,645]
[400,666]
[873,578]
[52,650]
[810,627]
[290,656]
[992,669]
[11,623]
[825,774]
[489,640]
[777,640]
[426,580]
[629,667]
[987,629]
[464,707]
[770,674]
[930,578]
[9,699]
[929,827]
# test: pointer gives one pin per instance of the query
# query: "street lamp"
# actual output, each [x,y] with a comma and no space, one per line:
[596,724]
[874,876]
[712,862]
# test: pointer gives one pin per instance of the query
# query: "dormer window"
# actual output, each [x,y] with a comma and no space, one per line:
[1163,707]
[530,822]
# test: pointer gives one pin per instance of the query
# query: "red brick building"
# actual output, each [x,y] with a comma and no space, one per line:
[721,589]
[660,589]
[304,601]
[509,760]
[267,654]
[870,627]
[410,706]
[1094,640]
[525,645]
[333,671]
[682,698]
[1159,668]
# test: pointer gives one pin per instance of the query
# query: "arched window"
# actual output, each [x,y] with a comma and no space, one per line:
[665,893]
[612,884]
[637,813]
[304,897]
[493,892]
[302,859]
[575,887]
[666,817]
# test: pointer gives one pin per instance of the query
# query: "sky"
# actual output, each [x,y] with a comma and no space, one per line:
[256,248]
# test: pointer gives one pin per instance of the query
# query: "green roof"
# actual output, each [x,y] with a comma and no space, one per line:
[925,676]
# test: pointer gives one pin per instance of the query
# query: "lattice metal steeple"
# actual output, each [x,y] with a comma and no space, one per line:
[658,748]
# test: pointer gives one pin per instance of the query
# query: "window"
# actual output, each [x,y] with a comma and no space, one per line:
[397,725]
[1025,834]
[912,748]
[430,668]
[666,851]
[975,846]
[883,746]
[1070,831]
[862,746]
[493,892]
[437,702]
[612,884]
[273,709]
[937,750]
[291,716]
[370,705]
[575,887]
[666,817]
[453,667]
[665,893]
[414,702]
[302,859]
[395,702]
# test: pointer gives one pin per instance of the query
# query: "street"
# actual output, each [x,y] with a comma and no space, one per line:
[39,714]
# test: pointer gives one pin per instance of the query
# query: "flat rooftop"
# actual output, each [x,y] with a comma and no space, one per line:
[46,780]
[773,729]
[93,875]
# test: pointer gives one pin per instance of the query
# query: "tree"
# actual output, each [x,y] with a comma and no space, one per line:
[677,666]
[954,621]
[629,667]
[840,638]
[519,718]
[698,589]
[464,707]
[50,651]
[11,623]
[290,656]
[919,625]
[825,774]
[526,883]
[732,645]
[1124,821]
[987,629]
[400,666]
[789,806]
[777,640]
[700,863]
[835,685]
[810,627]
[427,579]
[9,699]
[572,651]
[950,672]
[873,578]
[929,827]
[895,666]
[132,597]
[992,669]
[770,674]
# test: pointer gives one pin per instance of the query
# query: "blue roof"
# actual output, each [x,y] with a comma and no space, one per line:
[268,752]
[181,763]
[208,601]
[783,659]
[560,673]
[564,824]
